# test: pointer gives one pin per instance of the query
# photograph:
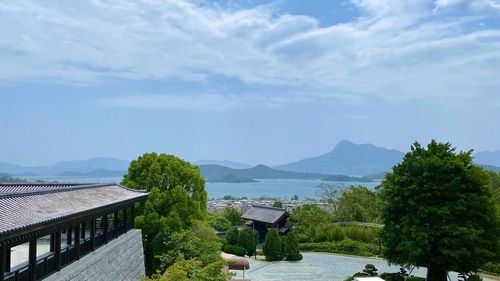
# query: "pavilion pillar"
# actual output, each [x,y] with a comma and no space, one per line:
[3,257]
[77,241]
[115,223]
[52,242]
[57,249]
[32,260]
[105,228]
[84,226]
[132,214]
[8,260]
[92,234]
[68,235]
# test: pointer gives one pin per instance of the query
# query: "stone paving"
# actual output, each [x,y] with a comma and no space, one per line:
[319,267]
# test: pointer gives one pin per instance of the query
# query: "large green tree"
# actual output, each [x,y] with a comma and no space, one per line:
[177,196]
[438,212]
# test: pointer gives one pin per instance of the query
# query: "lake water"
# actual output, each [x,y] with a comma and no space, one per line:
[275,188]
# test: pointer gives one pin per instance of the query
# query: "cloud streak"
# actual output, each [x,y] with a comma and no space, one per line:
[395,51]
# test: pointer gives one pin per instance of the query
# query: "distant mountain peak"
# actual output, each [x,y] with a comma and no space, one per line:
[348,158]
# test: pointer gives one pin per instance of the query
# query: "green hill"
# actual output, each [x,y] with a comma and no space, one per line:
[233,178]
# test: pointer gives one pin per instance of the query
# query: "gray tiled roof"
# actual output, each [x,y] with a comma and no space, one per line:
[264,214]
[27,205]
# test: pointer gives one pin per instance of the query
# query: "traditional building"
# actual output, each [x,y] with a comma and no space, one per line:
[261,218]
[74,219]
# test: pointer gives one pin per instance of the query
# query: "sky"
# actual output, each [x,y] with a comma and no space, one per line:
[252,81]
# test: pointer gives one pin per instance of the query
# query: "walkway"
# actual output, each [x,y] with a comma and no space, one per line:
[319,267]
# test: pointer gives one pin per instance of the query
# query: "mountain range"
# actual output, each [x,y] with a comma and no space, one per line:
[99,165]
[346,158]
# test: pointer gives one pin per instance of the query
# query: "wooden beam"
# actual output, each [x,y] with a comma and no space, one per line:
[32,260]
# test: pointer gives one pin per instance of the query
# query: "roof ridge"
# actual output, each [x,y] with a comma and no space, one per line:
[55,190]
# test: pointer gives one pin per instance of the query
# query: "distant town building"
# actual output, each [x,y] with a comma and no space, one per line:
[261,218]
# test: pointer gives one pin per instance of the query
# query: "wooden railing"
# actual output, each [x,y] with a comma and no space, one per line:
[46,263]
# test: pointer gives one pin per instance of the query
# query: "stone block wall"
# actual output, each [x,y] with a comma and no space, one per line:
[120,259]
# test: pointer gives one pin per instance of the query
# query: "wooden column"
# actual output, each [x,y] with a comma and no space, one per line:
[8,260]
[77,241]
[57,249]
[52,242]
[68,235]
[105,228]
[92,234]
[115,223]
[2,262]
[132,214]
[32,260]
[84,226]
[125,219]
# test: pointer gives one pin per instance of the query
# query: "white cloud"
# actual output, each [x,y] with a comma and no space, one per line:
[398,50]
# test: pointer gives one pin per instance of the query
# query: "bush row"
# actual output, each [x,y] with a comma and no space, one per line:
[346,246]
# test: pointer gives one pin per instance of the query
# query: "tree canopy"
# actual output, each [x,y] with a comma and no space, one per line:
[177,196]
[438,212]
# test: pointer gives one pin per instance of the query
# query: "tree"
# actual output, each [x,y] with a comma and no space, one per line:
[438,212]
[233,236]
[249,238]
[272,246]
[290,247]
[177,196]
[358,203]
[278,204]
[331,193]
[307,221]
[233,215]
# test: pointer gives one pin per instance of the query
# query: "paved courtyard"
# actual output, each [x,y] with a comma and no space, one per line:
[318,267]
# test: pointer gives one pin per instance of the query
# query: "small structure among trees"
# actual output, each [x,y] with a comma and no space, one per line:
[263,217]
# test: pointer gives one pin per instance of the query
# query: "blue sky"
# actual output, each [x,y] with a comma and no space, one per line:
[250,81]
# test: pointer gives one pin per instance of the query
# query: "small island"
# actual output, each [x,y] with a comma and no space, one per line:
[344,178]
[233,178]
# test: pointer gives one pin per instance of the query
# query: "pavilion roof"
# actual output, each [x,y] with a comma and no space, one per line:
[30,206]
[264,214]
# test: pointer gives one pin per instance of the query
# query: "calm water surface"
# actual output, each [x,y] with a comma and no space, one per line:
[275,188]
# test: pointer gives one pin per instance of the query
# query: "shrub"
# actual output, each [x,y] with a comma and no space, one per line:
[233,236]
[249,238]
[272,246]
[415,278]
[371,270]
[234,249]
[290,248]
[343,247]
[220,223]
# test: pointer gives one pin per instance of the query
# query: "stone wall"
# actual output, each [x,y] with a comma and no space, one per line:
[120,259]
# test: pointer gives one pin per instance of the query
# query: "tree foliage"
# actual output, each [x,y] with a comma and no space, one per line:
[177,196]
[358,203]
[278,204]
[249,238]
[290,247]
[272,246]
[438,212]
[233,215]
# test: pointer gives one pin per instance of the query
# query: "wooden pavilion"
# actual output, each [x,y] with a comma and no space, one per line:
[261,218]
[89,215]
